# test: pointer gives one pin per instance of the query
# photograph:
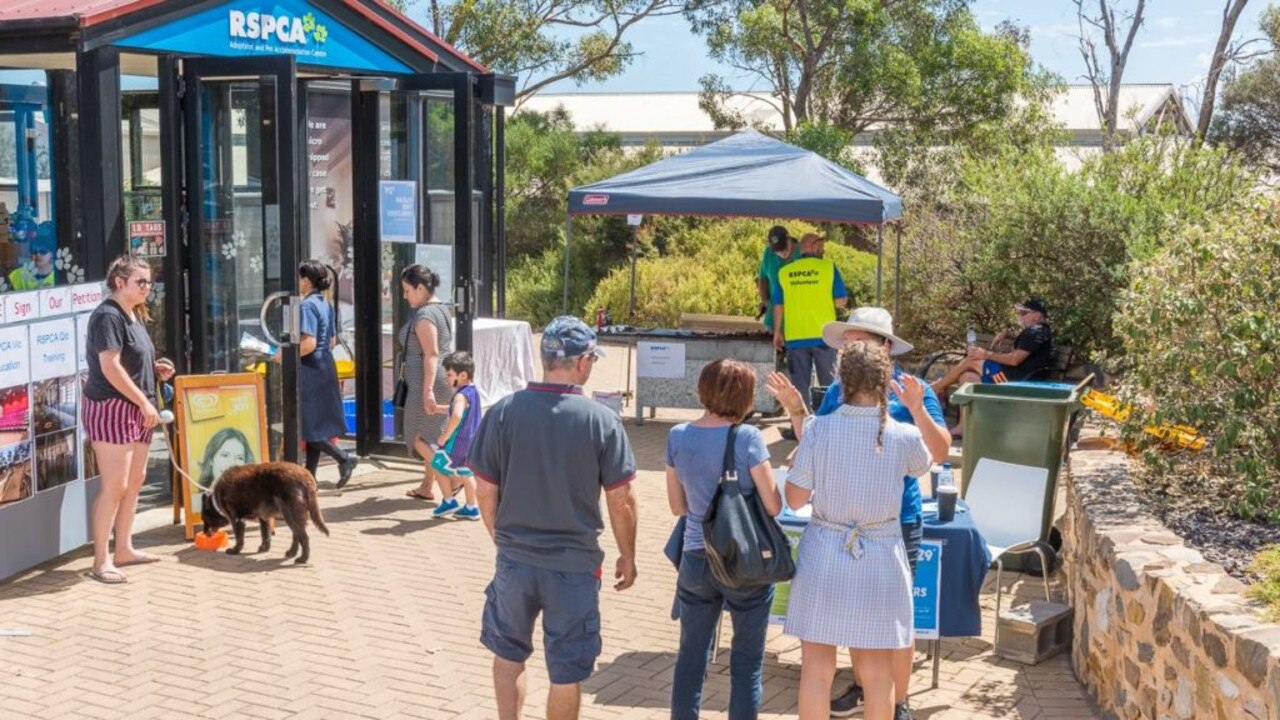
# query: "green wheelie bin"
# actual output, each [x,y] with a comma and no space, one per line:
[1018,422]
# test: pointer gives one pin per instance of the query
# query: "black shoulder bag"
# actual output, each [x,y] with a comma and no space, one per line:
[402,386]
[745,546]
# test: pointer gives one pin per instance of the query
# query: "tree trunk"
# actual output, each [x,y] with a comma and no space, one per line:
[1230,14]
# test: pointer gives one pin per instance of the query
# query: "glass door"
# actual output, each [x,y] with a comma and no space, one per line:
[409,173]
[242,181]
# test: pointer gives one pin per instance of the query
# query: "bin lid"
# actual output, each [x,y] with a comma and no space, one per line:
[1032,392]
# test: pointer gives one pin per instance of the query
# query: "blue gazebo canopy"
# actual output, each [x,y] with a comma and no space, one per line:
[745,175]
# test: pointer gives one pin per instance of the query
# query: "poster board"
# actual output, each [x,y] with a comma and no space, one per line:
[221,422]
[925,590]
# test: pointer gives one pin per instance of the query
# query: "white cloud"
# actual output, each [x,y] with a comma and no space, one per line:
[1177,41]
[1166,22]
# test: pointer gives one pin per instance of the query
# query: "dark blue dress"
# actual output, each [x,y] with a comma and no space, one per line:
[319,394]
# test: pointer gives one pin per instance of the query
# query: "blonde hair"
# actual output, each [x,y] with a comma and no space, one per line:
[865,368]
[121,269]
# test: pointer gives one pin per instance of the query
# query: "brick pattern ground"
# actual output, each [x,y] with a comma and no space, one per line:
[384,624]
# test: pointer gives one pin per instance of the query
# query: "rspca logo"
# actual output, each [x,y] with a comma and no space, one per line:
[283,29]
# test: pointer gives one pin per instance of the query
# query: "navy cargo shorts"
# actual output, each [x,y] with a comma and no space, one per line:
[570,608]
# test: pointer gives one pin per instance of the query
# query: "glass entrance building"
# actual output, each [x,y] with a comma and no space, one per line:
[225,142]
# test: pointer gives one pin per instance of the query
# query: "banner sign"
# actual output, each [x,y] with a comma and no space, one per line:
[248,28]
[660,360]
[925,594]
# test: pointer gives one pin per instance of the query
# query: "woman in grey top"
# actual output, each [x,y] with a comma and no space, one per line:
[427,337]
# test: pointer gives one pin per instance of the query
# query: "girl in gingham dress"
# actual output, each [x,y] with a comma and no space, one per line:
[852,586]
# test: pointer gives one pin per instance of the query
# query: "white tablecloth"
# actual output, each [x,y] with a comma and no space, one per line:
[503,351]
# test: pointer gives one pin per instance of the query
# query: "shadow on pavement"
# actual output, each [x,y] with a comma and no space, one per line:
[643,679]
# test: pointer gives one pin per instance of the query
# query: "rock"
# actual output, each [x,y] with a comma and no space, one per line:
[1102,608]
[1204,568]
[1146,652]
[1229,690]
[1228,584]
[1126,575]
[1132,673]
[1161,538]
[1253,650]
[1164,613]
[1182,700]
[1255,708]
[1135,614]
[1234,622]
[1216,647]
[1180,652]
[1204,688]
[1191,623]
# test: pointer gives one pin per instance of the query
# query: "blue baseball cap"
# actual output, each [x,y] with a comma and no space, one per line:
[567,337]
[44,239]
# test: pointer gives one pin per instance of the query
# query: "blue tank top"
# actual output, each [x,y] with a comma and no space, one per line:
[459,445]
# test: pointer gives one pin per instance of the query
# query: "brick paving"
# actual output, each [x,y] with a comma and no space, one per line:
[384,624]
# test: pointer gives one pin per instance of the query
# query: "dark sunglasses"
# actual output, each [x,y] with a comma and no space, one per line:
[142,283]
[41,251]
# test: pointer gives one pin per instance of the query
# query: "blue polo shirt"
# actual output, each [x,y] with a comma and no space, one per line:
[911,498]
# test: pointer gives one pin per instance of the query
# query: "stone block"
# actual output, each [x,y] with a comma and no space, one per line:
[1253,651]
[1034,632]
[1216,647]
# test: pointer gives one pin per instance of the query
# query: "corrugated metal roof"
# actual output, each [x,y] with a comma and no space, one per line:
[87,12]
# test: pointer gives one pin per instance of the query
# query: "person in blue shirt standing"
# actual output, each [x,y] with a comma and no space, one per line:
[806,295]
[911,400]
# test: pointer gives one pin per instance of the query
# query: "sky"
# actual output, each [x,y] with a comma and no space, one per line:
[1173,45]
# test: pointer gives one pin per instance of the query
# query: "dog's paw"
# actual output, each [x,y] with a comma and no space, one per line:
[233,551]
[290,554]
[264,548]
[300,561]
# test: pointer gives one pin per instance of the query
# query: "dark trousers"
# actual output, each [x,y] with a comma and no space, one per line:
[314,448]
[802,363]
[702,599]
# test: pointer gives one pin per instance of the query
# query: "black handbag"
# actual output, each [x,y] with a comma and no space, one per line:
[401,395]
[745,546]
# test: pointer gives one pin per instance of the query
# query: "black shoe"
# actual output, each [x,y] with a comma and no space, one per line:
[788,433]
[848,701]
[345,470]
[900,712]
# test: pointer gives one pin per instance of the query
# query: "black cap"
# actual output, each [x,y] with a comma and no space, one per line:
[778,238]
[1034,304]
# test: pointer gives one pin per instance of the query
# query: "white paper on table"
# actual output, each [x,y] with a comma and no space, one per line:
[660,360]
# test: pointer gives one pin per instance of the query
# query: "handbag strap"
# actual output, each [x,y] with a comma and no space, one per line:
[404,350]
[729,447]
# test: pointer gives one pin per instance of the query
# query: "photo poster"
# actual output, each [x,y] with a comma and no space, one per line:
[927,589]
[54,401]
[397,211]
[16,467]
[330,202]
[221,422]
[793,528]
[146,238]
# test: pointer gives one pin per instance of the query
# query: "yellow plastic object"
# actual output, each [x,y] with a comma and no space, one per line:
[346,368]
[1183,436]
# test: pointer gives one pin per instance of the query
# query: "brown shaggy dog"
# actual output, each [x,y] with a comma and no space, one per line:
[262,492]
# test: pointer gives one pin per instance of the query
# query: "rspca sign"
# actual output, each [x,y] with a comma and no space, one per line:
[286,27]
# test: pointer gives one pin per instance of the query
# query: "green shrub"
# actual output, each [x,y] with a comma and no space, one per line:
[1265,569]
[1202,342]
[710,267]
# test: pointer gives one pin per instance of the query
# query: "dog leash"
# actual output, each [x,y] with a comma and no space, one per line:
[167,418]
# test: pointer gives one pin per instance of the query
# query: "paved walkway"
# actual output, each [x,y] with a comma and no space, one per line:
[384,624]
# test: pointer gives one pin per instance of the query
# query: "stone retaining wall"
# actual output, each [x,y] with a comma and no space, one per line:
[1159,631]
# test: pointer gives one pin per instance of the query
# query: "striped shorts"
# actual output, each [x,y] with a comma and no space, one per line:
[114,421]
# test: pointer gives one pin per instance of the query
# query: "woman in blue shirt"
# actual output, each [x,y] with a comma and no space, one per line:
[916,404]
[695,462]
[320,394]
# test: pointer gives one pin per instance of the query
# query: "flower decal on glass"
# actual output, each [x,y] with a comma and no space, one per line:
[255,263]
[65,262]
[232,247]
[321,34]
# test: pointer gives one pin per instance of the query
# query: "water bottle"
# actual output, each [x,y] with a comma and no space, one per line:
[971,337]
[947,494]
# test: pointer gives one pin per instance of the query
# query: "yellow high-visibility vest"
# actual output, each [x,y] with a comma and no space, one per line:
[807,285]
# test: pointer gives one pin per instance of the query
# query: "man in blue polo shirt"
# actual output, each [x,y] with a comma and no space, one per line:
[918,405]
[544,455]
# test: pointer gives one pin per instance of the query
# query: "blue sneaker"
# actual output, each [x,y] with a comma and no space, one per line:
[448,507]
[470,512]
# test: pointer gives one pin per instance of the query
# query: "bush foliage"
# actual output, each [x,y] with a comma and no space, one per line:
[709,267]
[1201,339]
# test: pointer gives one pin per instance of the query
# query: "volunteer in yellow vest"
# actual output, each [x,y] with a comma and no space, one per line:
[38,273]
[805,298]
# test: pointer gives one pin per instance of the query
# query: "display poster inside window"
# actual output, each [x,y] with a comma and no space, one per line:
[398,211]
[439,258]
[146,238]
[330,202]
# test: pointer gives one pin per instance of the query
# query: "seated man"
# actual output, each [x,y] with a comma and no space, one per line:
[1030,359]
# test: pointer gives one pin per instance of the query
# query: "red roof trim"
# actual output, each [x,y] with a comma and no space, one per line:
[362,8]
[434,38]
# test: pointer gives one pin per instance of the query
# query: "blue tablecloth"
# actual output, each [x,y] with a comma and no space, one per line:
[965,560]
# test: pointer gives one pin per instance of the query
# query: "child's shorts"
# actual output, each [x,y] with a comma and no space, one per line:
[443,464]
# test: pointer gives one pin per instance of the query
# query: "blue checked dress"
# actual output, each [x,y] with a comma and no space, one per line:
[852,586]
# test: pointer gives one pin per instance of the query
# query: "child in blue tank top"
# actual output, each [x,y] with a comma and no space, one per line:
[453,448]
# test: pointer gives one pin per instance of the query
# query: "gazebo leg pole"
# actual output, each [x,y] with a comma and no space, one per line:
[635,242]
[568,240]
[897,271]
[879,260]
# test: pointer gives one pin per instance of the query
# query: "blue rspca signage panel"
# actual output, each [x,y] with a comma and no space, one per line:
[926,590]
[247,28]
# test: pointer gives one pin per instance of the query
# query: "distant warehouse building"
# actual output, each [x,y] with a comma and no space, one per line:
[675,121]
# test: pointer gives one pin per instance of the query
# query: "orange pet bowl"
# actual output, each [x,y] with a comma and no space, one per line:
[208,543]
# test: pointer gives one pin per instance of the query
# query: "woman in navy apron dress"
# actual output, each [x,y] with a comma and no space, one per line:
[319,392]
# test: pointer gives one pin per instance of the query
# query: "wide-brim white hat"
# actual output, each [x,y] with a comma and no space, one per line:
[874,320]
